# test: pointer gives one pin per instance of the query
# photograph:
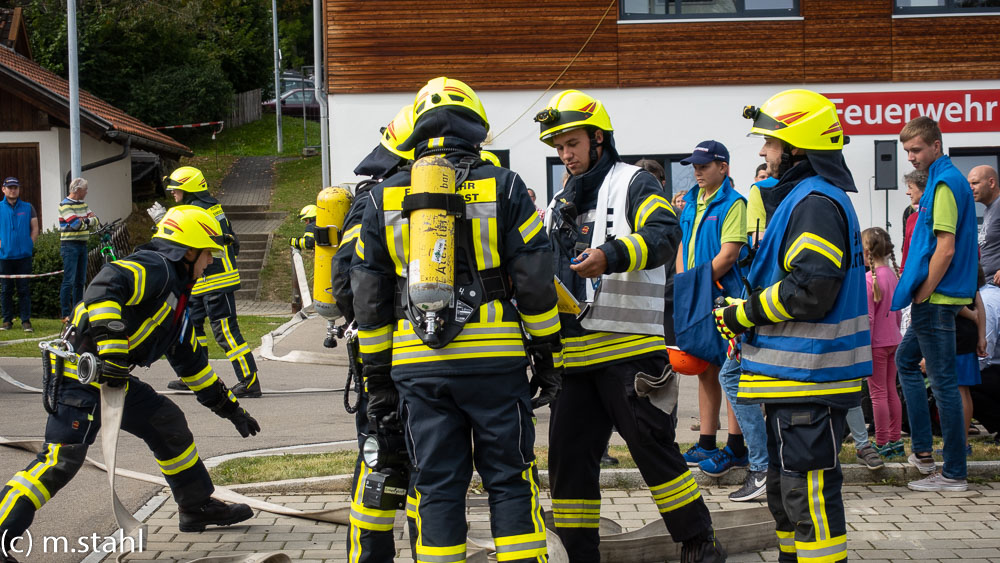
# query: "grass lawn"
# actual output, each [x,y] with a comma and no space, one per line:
[295,466]
[253,139]
[252,327]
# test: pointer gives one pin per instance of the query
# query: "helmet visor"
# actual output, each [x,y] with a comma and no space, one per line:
[555,120]
[761,120]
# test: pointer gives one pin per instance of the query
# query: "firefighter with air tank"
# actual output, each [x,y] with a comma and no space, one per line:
[444,249]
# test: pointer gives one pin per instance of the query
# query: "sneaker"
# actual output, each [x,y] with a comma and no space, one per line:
[243,392]
[938,482]
[214,513]
[178,385]
[697,454]
[7,326]
[26,327]
[720,463]
[754,487]
[870,458]
[898,447]
[924,466]
[703,551]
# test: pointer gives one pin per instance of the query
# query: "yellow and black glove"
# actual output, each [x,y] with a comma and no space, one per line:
[114,370]
[731,321]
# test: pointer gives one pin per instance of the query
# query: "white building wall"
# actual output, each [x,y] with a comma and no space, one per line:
[651,121]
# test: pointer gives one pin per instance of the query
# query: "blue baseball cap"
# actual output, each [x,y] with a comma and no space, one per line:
[707,151]
[11,181]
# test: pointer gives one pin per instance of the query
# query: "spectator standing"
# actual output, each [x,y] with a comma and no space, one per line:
[986,190]
[539,210]
[986,395]
[916,182]
[713,224]
[678,200]
[76,222]
[941,280]
[18,231]
[881,280]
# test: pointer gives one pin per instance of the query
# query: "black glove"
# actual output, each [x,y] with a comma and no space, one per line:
[114,370]
[547,379]
[383,399]
[245,424]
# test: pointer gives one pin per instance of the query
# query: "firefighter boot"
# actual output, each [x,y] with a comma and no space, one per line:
[703,549]
[215,513]
[244,391]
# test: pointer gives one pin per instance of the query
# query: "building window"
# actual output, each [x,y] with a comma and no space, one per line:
[691,9]
[967,158]
[920,7]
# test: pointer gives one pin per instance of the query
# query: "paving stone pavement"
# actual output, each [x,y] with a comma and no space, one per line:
[885,523]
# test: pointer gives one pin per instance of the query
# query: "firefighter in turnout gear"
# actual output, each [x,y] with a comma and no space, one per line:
[134,312]
[612,231]
[370,536]
[457,378]
[803,328]
[308,240]
[214,295]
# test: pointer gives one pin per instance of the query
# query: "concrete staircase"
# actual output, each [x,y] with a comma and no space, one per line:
[254,225]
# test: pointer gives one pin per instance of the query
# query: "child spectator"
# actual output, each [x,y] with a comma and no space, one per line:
[887,411]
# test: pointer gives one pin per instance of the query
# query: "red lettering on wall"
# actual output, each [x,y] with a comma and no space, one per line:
[885,113]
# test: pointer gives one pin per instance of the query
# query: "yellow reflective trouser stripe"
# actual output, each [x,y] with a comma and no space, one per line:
[541,324]
[411,507]
[112,346]
[104,310]
[138,279]
[180,463]
[817,504]
[786,541]
[375,340]
[364,517]
[238,352]
[826,551]
[26,483]
[761,386]
[815,243]
[530,228]
[637,251]
[771,303]
[202,340]
[200,380]
[69,370]
[227,334]
[600,347]
[675,493]
[522,546]
[448,554]
[576,513]
[148,326]
[651,204]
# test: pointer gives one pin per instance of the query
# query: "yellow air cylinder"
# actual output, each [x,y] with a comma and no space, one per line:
[332,205]
[432,238]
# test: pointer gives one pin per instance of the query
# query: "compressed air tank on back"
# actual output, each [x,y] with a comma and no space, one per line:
[431,276]
[332,205]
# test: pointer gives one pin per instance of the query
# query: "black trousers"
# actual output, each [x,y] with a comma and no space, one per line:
[986,399]
[453,422]
[804,481]
[583,414]
[72,429]
[220,308]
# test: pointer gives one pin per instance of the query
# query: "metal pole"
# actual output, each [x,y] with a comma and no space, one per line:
[305,120]
[318,84]
[74,93]
[277,71]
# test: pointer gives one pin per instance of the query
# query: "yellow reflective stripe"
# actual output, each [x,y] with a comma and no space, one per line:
[434,143]
[351,234]
[822,551]
[446,554]
[149,326]
[599,347]
[138,279]
[651,204]
[494,254]
[522,546]
[537,520]
[368,518]
[359,249]
[816,243]
[177,464]
[675,493]
[530,228]
[541,324]
[638,253]
[786,541]
[104,310]
[205,377]
[411,507]
[112,346]
[216,282]
[397,239]
[78,312]
[754,386]
[576,513]
[817,505]
[238,352]
[770,303]
[69,370]
[375,340]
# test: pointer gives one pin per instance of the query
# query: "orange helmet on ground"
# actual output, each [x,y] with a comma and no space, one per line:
[684,363]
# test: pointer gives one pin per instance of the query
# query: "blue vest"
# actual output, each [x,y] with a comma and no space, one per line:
[708,239]
[836,348]
[960,279]
[15,230]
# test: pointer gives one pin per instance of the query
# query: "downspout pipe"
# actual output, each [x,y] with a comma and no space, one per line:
[126,149]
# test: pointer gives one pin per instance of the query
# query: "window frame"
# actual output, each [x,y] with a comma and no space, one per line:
[741,13]
[949,9]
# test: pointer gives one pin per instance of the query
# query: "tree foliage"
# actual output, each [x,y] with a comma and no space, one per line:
[166,62]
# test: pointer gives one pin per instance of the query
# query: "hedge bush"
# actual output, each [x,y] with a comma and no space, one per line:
[45,291]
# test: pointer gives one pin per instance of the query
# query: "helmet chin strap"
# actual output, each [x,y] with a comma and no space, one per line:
[788,160]
[190,263]
[593,147]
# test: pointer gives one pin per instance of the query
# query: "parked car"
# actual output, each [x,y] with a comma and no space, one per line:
[294,101]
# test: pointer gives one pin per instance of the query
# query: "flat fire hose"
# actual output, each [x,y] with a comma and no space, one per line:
[300,276]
